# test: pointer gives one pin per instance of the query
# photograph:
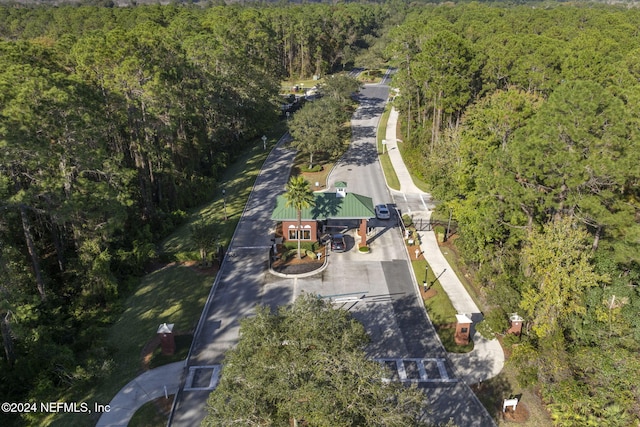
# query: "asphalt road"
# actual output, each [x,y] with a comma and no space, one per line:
[377,288]
[359,167]
[236,291]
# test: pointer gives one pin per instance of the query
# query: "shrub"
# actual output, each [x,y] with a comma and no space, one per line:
[186,256]
[484,330]
[364,249]
[316,168]
[304,246]
[510,339]
[292,253]
[407,220]
[311,254]
[495,322]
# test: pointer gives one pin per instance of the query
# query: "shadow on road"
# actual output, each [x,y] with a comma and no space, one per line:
[378,234]
[360,154]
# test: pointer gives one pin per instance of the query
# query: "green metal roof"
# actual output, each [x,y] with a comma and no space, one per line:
[327,205]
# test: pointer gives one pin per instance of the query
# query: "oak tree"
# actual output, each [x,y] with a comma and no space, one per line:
[306,362]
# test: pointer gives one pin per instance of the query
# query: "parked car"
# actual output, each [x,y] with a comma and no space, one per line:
[382,212]
[337,243]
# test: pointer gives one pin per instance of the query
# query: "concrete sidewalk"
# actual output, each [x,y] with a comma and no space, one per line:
[146,387]
[486,360]
[406,183]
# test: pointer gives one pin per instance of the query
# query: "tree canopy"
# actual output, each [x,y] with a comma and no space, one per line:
[114,122]
[319,127]
[299,196]
[306,362]
[536,155]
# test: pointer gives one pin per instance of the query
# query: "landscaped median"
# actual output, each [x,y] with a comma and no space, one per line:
[285,261]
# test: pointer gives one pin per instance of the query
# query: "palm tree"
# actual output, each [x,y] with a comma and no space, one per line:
[299,196]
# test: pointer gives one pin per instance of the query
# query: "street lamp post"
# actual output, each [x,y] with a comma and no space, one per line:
[224,203]
[264,142]
[424,282]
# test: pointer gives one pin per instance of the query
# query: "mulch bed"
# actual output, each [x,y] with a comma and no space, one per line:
[412,252]
[429,294]
[294,265]
[520,415]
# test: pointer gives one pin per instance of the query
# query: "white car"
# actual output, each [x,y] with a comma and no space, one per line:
[382,212]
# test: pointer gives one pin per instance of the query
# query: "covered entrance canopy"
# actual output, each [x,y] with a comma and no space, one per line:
[337,206]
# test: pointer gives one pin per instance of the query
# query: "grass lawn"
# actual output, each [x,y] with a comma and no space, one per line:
[385,162]
[302,160]
[152,414]
[441,311]
[439,307]
[417,181]
[367,76]
[389,172]
[237,182]
[183,343]
[449,251]
[327,161]
[303,84]
[372,76]
[447,336]
[173,294]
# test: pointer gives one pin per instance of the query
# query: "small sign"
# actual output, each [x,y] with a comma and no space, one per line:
[510,402]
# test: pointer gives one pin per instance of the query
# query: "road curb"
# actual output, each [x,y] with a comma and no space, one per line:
[301,275]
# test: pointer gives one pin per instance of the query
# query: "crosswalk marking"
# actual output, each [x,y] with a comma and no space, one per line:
[423,374]
[421,370]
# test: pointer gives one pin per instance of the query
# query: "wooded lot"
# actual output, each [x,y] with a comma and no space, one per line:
[114,122]
[523,120]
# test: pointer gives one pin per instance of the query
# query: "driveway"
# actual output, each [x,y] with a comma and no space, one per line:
[235,292]
[377,287]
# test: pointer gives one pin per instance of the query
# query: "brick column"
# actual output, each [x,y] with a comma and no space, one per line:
[363,232]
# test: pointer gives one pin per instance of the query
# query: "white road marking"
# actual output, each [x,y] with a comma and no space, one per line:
[422,371]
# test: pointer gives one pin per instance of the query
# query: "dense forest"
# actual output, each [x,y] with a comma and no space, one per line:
[113,123]
[524,122]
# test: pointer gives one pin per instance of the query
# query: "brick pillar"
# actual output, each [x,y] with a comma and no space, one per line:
[463,329]
[515,324]
[167,340]
[363,232]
